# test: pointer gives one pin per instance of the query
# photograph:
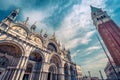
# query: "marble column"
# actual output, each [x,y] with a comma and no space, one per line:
[9,74]
[61,73]
[24,68]
[44,76]
[20,68]
[5,73]
[61,77]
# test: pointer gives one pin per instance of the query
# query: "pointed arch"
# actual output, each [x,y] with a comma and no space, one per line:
[52,47]
[52,72]
[37,53]
[55,58]
[36,58]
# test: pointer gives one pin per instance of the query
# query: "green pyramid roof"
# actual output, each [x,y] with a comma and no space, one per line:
[94,9]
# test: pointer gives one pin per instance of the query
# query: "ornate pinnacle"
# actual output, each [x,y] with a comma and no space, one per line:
[26,20]
[33,27]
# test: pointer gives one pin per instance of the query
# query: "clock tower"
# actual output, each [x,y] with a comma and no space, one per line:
[109,32]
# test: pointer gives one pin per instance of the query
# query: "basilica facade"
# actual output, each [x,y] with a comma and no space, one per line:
[29,55]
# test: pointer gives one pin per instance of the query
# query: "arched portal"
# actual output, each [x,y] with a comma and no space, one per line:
[10,49]
[52,73]
[35,59]
[56,61]
[52,47]
[10,52]
[66,73]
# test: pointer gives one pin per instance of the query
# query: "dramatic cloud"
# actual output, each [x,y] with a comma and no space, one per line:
[84,39]
[93,48]
[71,20]
[76,26]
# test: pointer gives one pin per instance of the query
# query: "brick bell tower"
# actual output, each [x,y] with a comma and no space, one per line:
[109,32]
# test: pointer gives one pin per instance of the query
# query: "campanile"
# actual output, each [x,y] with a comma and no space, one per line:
[109,32]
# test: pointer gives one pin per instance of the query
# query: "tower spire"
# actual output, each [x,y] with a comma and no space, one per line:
[26,20]
[14,14]
[10,18]
[45,35]
[109,32]
[33,27]
[94,9]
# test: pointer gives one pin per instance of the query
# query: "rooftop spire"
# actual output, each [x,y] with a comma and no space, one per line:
[45,35]
[54,35]
[41,31]
[94,9]
[33,27]
[26,20]
[17,10]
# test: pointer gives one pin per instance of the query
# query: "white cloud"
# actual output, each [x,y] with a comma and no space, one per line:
[84,39]
[93,48]
[76,53]
[73,55]
[77,23]
[38,16]
[86,52]
[34,15]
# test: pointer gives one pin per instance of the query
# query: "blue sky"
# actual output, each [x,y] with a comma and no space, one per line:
[71,20]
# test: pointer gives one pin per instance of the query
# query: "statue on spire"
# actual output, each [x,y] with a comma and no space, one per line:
[41,31]
[33,27]
[45,35]
[26,20]
[12,16]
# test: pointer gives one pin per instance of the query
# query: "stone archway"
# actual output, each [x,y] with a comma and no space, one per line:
[35,59]
[56,60]
[10,54]
[52,74]
[10,49]
[52,47]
